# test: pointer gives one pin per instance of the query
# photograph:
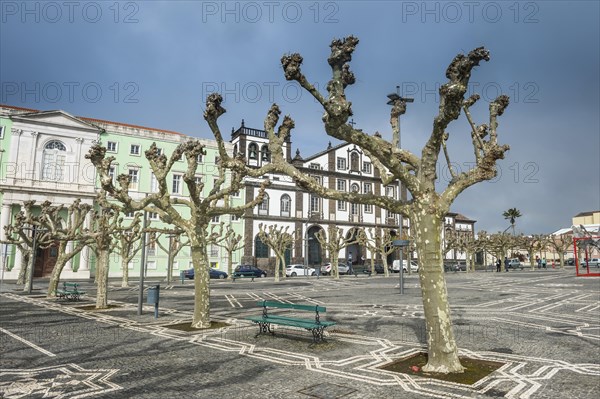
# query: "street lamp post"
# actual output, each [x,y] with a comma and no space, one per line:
[142,266]
[397,100]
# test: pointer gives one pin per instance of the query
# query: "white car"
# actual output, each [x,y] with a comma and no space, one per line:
[591,262]
[299,270]
[342,269]
[414,267]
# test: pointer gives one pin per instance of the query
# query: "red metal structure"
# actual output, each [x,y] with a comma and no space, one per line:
[583,268]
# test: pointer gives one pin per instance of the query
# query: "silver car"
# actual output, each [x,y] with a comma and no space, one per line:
[342,269]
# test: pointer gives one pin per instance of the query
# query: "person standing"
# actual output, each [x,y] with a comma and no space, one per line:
[539,261]
[544,263]
[506,264]
[498,266]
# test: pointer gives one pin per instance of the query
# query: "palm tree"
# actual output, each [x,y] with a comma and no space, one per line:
[512,214]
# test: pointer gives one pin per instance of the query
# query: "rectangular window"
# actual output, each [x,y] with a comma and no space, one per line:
[314,166]
[129,214]
[390,191]
[153,183]
[111,146]
[368,208]
[214,251]
[175,265]
[215,219]
[2,132]
[341,163]
[153,215]
[368,188]
[235,218]
[354,209]
[199,158]
[341,205]
[134,149]
[341,185]
[112,171]
[151,265]
[133,179]
[152,247]
[367,167]
[315,203]
[176,184]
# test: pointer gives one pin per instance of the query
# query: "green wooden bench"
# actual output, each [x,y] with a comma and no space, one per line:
[70,291]
[316,325]
[243,275]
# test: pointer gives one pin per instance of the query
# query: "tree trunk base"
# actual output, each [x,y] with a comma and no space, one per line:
[201,325]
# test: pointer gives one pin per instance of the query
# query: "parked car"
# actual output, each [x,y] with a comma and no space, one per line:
[414,267]
[299,270]
[514,263]
[249,268]
[460,266]
[591,262]
[342,269]
[570,261]
[378,268]
[214,273]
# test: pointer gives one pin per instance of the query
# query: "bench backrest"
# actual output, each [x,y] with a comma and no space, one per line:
[281,305]
[73,285]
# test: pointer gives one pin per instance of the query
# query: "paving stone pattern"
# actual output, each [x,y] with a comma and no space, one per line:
[544,325]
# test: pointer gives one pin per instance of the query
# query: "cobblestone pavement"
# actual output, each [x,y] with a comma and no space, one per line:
[543,325]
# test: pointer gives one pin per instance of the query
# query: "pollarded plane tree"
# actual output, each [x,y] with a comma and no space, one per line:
[386,248]
[500,244]
[21,233]
[532,244]
[67,233]
[560,243]
[466,243]
[176,244]
[229,240]
[279,239]
[426,208]
[102,240]
[128,238]
[371,240]
[191,214]
[333,243]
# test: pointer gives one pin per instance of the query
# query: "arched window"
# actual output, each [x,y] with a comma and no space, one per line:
[286,205]
[263,207]
[252,151]
[261,250]
[53,161]
[354,162]
[265,155]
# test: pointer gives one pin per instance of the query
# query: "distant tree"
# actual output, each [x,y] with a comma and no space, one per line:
[21,233]
[512,215]
[128,244]
[279,239]
[499,244]
[560,243]
[229,240]
[532,244]
[68,234]
[333,243]
[176,244]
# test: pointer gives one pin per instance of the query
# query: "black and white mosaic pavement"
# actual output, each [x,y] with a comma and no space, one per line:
[544,327]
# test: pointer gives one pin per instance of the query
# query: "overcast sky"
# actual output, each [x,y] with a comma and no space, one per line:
[152,63]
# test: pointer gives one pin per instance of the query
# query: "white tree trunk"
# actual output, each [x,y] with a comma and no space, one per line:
[102,263]
[201,318]
[125,268]
[442,349]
